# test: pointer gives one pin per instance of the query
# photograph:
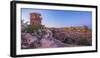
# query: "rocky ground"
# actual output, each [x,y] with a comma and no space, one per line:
[47,38]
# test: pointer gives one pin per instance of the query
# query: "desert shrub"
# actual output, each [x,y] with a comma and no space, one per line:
[32,28]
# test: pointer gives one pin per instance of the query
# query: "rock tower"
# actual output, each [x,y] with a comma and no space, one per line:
[35,18]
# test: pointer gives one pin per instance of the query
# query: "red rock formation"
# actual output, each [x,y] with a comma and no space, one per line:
[35,19]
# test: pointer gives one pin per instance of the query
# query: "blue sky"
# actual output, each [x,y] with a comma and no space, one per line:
[60,18]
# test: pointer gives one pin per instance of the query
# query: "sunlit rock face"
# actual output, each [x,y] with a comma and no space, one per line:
[35,18]
[44,41]
[48,41]
[27,40]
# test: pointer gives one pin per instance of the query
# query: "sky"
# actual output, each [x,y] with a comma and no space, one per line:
[60,18]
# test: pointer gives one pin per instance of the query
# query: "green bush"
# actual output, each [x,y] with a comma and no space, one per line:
[32,28]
